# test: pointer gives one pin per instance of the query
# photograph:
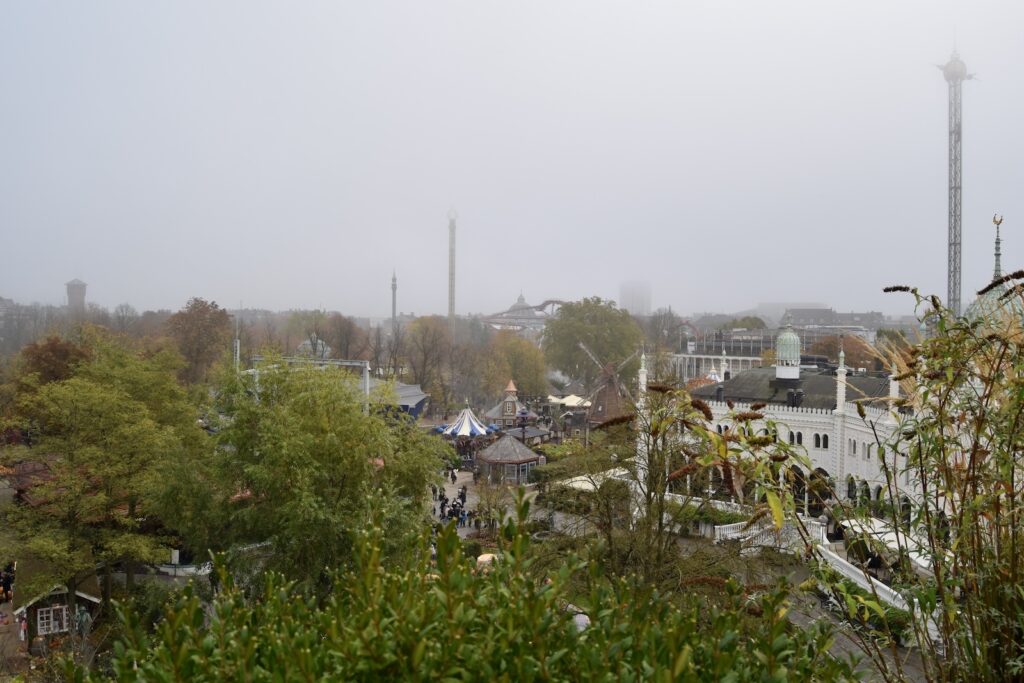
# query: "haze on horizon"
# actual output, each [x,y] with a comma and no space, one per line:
[293,155]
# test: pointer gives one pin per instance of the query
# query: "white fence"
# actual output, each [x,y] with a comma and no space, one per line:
[862,580]
[733,532]
[763,534]
[723,505]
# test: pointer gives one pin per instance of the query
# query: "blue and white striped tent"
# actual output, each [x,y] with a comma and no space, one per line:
[466,424]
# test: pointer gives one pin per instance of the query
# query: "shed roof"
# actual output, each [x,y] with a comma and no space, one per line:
[30,568]
[409,395]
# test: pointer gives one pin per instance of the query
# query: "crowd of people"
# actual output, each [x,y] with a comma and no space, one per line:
[452,510]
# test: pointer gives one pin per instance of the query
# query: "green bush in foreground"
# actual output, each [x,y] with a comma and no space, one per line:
[450,622]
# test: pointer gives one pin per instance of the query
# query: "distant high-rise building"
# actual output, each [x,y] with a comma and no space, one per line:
[635,297]
[76,296]
[394,301]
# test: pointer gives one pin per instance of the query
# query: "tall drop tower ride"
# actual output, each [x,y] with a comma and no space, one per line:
[394,302]
[451,264]
[955,72]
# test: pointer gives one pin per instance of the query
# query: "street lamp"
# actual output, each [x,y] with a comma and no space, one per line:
[523,415]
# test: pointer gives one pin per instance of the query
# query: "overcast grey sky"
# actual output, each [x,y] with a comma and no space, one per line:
[291,154]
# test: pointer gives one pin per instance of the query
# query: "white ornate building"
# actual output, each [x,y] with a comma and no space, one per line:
[814,409]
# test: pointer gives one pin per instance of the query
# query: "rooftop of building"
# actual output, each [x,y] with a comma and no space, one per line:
[759,385]
[508,450]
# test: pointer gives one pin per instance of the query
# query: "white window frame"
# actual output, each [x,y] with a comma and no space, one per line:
[53,619]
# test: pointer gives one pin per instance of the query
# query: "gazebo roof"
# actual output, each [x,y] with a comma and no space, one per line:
[507,450]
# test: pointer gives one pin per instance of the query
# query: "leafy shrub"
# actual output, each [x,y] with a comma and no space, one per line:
[449,621]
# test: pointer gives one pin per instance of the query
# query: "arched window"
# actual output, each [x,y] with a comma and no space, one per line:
[863,493]
[817,440]
[824,441]
[854,446]
[906,510]
[792,438]
[719,429]
[851,488]
[800,438]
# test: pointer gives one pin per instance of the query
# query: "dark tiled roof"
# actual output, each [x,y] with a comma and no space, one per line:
[409,395]
[531,432]
[819,387]
[496,413]
[507,450]
[827,316]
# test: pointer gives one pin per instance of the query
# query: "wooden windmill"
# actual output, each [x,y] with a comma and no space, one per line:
[611,396]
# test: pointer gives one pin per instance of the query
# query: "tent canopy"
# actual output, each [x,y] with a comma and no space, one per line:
[466,424]
[570,401]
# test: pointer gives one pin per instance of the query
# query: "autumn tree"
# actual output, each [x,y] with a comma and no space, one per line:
[151,323]
[858,352]
[345,337]
[509,356]
[52,359]
[203,331]
[99,437]
[747,322]
[427,343]
[608,332]
[377,351]
[97,448]
[124,318]
[663,333]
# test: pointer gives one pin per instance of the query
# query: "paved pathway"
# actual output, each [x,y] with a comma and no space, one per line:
[11,648]
[463,478]
[452,491]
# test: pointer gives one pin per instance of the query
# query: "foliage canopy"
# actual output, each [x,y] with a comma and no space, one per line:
[610,333]
[449,621]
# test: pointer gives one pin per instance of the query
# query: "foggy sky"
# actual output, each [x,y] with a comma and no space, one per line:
[290,155]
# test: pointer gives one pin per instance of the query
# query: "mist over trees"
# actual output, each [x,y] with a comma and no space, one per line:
[124,446]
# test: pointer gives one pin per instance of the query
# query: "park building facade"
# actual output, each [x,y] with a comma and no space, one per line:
[815,410]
